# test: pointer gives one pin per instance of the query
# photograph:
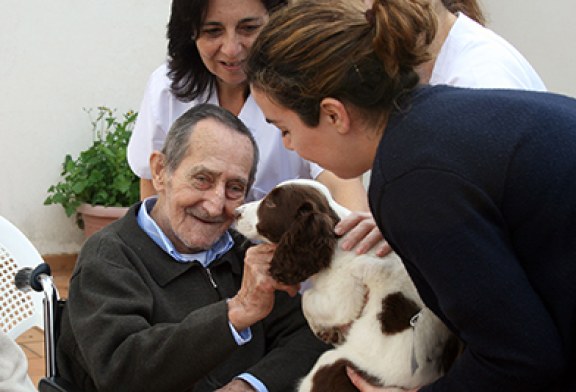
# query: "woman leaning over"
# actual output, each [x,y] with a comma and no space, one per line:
[473,188]
[464,53]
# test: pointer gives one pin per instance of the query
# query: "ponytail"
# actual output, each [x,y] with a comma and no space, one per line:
[404,29]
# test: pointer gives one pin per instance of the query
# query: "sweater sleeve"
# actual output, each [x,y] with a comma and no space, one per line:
[455,245]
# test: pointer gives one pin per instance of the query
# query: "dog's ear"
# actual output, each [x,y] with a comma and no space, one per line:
[306,248]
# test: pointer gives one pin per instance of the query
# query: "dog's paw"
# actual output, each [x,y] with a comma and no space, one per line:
[335,335]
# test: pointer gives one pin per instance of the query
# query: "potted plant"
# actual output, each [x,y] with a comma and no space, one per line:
[99,181]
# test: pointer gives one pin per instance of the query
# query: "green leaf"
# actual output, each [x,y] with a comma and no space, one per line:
[100,174]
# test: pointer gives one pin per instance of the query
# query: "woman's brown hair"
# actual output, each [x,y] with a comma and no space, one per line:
[315,49]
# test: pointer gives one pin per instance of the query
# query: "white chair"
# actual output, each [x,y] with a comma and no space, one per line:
[19,311]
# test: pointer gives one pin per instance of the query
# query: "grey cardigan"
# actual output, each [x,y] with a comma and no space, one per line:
[136,320]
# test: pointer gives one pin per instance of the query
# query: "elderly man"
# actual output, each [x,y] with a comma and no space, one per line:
[169,298]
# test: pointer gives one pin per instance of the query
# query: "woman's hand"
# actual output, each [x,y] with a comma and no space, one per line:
[360,232]
[364,386]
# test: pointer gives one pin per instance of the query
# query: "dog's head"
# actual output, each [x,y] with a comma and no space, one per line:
[296,215]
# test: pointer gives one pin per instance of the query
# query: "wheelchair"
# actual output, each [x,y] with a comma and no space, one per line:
[40,280]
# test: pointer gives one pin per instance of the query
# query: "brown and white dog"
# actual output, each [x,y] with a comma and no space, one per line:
[365,305]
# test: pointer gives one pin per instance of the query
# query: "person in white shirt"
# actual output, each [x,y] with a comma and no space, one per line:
[467,54]
[205,58]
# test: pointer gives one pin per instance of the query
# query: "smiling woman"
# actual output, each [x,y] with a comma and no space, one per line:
[208,43]
[223,40]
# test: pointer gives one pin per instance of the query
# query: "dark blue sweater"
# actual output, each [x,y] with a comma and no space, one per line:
[476,190]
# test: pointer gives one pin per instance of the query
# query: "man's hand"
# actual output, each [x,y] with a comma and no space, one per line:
[364,386]
[236,385]
[360,231]
[255,299]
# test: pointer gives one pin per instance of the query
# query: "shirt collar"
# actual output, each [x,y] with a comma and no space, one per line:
[205,258]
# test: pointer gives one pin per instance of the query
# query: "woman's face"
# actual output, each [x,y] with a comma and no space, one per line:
[226,35]
[346,151]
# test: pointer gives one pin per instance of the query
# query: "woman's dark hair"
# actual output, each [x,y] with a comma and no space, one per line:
[470,8]
[190,77]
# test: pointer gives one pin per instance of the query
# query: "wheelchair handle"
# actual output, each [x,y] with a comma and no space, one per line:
[40,279]
[28,279]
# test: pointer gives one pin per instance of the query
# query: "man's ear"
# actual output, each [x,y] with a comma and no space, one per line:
[334,112]
[158,170]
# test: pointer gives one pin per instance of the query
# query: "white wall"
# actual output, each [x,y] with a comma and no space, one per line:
[544,32]
[59,56]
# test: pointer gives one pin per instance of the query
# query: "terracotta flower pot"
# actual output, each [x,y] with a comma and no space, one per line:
[96,217]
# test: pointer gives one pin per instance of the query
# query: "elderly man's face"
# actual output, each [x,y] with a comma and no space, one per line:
[196,202]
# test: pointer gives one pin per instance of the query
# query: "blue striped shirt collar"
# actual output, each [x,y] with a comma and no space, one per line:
[223,245]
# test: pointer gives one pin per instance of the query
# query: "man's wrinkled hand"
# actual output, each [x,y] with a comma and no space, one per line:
[255,299]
